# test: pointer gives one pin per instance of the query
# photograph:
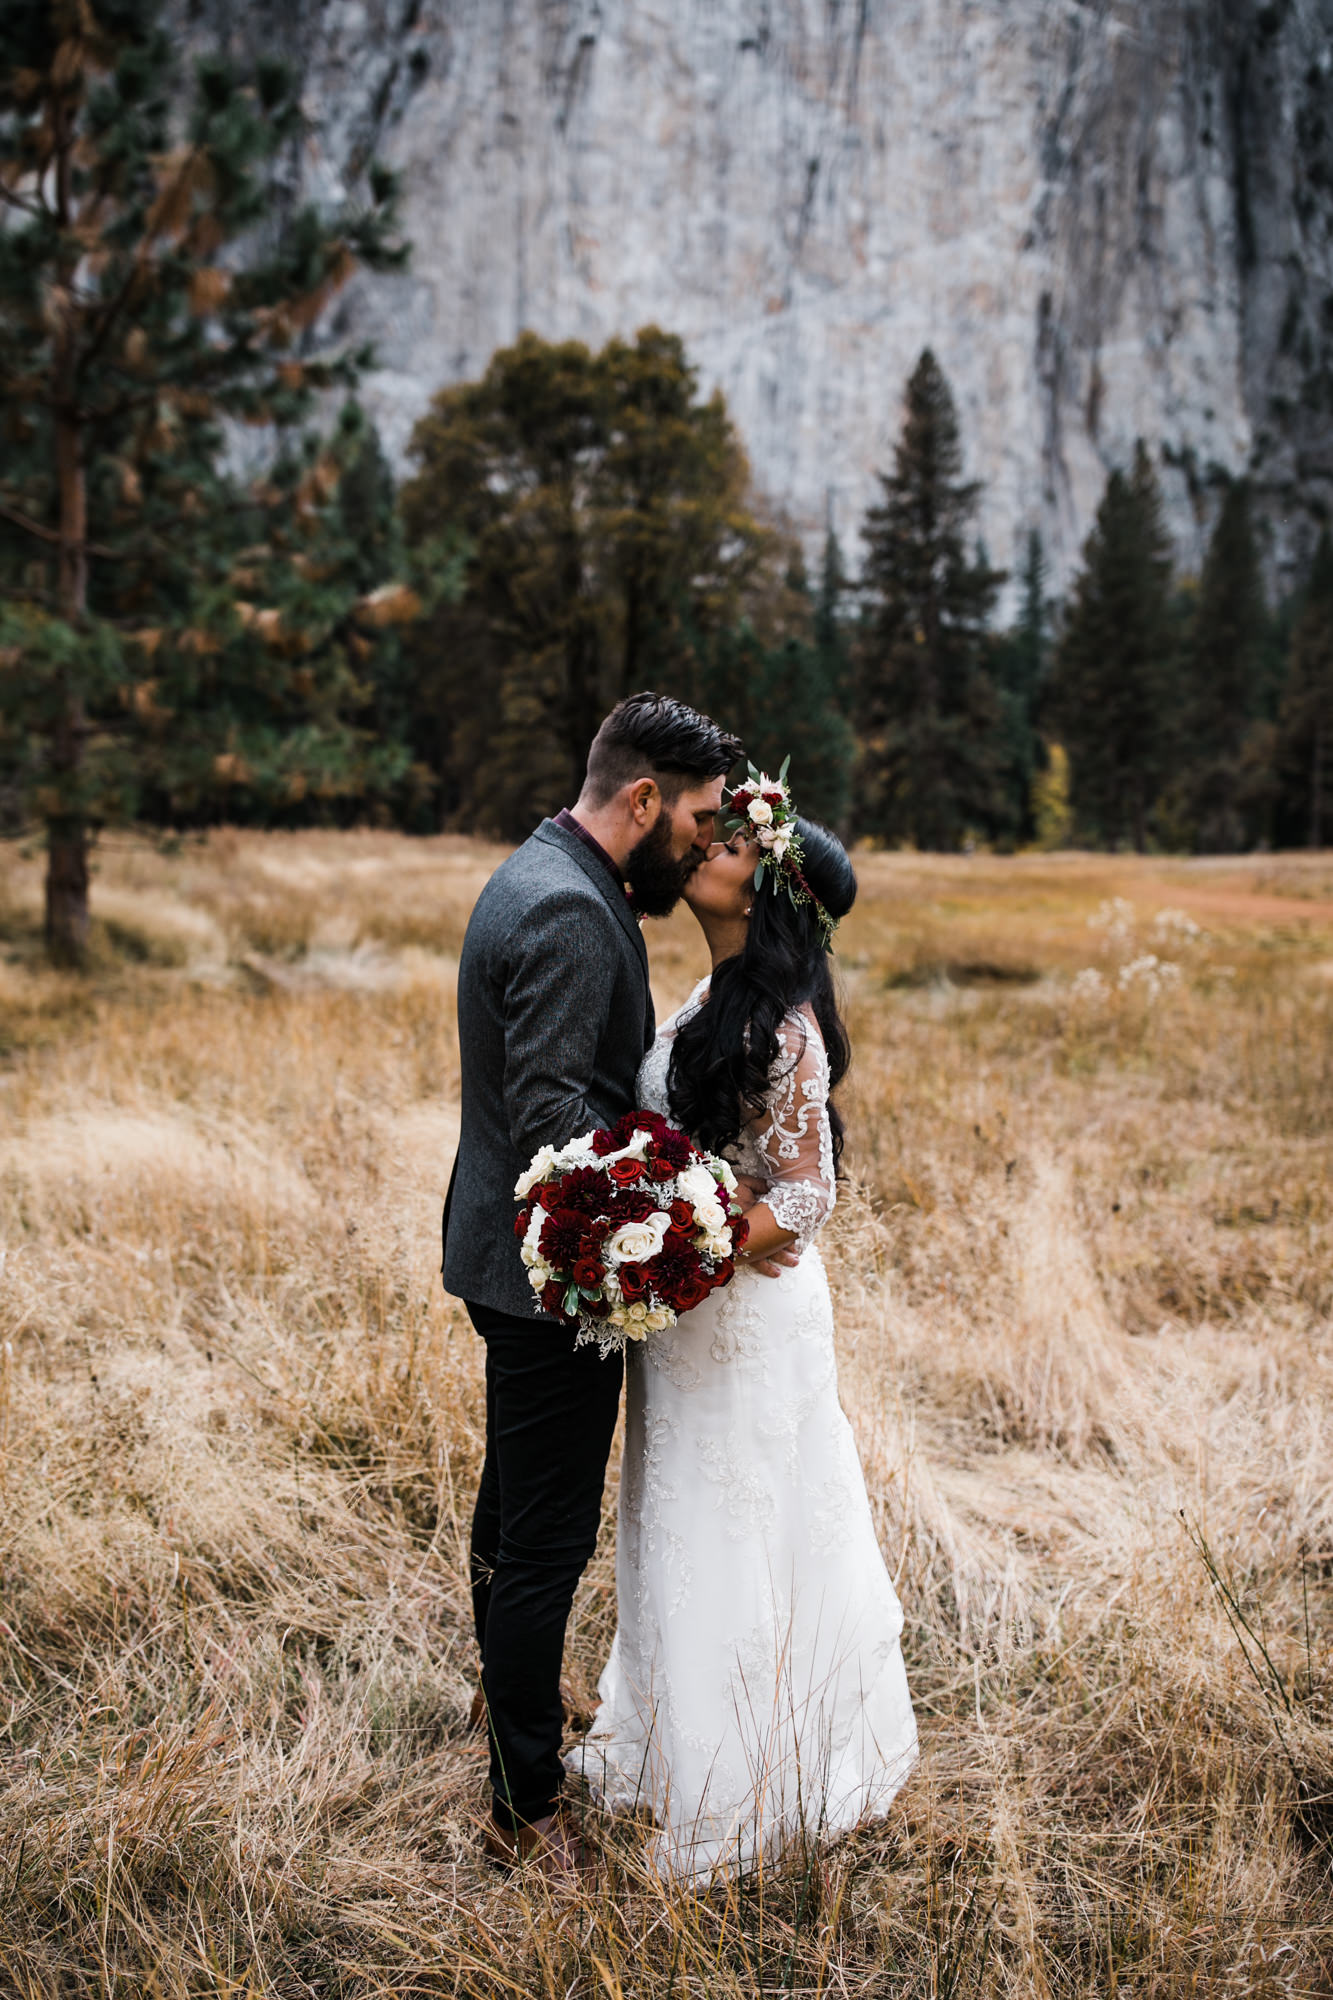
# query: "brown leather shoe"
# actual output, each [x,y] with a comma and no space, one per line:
[551,1845]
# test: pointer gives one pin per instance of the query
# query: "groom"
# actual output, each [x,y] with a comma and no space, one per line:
[554,1017]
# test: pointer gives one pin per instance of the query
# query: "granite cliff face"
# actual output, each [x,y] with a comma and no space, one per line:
[1109,218]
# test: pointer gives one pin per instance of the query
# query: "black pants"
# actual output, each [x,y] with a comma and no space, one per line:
[550,1416]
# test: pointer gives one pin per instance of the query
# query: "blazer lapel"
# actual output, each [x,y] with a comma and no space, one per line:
[596,872]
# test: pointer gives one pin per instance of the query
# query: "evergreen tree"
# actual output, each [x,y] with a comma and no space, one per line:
[1112,683]
[605,506]
[830,624]
[929,711]
[1218,800]
[151,287]
[1305,722]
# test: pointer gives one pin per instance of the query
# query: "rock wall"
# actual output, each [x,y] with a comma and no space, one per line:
[1110,218]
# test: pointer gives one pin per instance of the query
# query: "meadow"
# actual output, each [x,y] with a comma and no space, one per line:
[1083,1267]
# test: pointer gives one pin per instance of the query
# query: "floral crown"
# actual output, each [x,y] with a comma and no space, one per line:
[762,808]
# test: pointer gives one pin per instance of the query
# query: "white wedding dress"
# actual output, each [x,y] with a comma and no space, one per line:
[755,1687]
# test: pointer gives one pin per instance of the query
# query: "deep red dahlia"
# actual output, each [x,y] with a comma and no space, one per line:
[630,1205]
[674,1147]
[586,1189]
[562,1238]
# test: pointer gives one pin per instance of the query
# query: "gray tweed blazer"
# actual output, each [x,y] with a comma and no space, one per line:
[554,1016]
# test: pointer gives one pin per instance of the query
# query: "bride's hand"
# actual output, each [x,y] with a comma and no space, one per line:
[769,1250]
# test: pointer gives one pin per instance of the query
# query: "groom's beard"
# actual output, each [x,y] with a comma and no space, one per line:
[656,879]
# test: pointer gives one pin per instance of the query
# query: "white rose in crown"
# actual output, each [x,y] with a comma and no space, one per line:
[638,1242]
[761,812]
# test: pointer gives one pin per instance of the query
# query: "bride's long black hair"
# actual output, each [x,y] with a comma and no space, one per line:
[723,1058]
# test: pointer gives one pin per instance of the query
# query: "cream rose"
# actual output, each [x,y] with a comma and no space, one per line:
[636,1242]
[539,1167]
[761,812]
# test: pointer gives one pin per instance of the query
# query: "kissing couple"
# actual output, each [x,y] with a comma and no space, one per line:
[755,1688]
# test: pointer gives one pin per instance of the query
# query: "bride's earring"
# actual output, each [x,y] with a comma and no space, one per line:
[748,908]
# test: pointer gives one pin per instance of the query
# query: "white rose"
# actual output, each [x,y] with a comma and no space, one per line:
[761,812]
[696,1184]
[722,1172]
[539,1167]
[537,1278]
[636,1314]
[659,1318]
[711,1216]
[636,1242]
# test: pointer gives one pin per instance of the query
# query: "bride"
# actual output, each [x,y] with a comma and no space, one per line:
[755,1688]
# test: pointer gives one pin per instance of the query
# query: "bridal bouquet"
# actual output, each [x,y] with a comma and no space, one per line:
[623,1230]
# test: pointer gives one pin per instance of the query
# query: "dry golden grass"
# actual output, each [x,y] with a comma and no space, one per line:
[1084,1281]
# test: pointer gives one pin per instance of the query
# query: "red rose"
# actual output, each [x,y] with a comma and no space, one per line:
[588,1273]
[521,1221]
[682,1215]
[659,1169]
[740,1233]
[550,1195]
[691,1292]
[724,1273]
[625,1172]
[773,798]
[595,1308]
[633,1282]
[553,1299]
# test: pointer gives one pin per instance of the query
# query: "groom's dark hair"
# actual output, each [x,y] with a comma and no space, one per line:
[656,736]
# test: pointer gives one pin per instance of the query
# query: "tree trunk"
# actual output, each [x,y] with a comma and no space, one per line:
[67,890]
[67,827]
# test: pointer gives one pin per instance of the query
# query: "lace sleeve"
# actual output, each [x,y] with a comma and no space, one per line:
[794,1138]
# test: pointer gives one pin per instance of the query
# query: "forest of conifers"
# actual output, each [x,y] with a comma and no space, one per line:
[218,602]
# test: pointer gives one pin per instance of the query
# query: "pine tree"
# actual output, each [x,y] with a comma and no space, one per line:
[152,287]
[929,713]
[605,504]
[1112,684]
[1305,722]
[1218,802]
